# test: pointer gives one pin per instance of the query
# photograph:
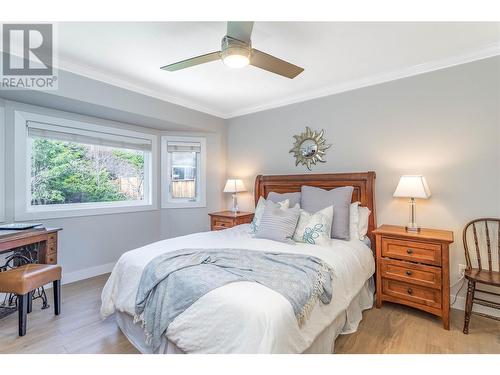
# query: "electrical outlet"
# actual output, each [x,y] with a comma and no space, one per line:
[461,269]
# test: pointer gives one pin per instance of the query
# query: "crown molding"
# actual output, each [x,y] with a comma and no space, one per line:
[484,53]
[480,54]
[88,72]
[94,74]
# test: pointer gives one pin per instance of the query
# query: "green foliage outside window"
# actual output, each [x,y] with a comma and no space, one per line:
[67,172]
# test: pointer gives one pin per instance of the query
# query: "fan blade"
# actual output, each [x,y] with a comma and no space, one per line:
[192,62]
[273,64]
[240,30]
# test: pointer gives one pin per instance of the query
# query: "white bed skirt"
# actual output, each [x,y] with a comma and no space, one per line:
[346,322]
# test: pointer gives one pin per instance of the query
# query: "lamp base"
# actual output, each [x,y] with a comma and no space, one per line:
[412,225]
[235,208]
[412,228]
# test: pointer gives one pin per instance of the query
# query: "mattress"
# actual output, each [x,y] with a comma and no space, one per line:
[346,322]
[244,317]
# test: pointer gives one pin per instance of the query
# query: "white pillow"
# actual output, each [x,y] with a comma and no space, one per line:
[354,221]
[259,211]
[364,214]
[314,228]
[358,221]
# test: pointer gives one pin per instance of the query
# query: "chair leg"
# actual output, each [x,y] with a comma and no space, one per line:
[468,305]
[30,302]
[22,306]
[57,296]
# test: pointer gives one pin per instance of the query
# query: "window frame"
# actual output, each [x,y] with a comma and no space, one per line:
[23,208]
[166,201]
[2,164]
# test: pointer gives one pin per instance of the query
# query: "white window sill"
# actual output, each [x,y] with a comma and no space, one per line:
[184,205]
[83,209]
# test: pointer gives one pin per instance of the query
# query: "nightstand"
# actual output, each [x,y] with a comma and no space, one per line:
[228,219]
[413,269]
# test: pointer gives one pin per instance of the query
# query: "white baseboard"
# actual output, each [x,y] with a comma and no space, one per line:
[87,273]
[106,268]
[460,305]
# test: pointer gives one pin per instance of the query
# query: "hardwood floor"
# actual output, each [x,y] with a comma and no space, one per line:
[79,328]
[391,329]
[399,329]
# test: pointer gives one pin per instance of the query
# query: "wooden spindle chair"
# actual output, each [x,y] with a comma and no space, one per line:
[481,232]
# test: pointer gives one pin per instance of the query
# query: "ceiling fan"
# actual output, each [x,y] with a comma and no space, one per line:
[237,52]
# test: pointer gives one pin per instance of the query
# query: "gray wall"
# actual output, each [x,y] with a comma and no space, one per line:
[444,125]
[89,245]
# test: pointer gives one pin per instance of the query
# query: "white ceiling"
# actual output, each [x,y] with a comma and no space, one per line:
[336,57]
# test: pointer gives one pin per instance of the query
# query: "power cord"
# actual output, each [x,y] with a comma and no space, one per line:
[462,278]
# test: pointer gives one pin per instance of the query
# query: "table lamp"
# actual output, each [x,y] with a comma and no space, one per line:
[234,186]
[412,186]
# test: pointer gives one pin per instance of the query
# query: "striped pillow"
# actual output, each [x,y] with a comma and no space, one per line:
[259,211]
[278,224]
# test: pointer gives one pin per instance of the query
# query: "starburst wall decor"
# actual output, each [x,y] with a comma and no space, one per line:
[309,148]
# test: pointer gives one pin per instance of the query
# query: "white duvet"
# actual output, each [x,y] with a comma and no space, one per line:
[243,317]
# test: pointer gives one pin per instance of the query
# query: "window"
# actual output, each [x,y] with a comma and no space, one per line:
[72,168]
[183,172]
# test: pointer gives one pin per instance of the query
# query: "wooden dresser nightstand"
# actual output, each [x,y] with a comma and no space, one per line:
[228,219]
[413,269]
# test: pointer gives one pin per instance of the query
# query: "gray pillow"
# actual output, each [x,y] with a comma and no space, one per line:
[294,198]
[314,199]
[278,224]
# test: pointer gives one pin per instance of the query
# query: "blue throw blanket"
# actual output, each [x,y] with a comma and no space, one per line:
[172,282]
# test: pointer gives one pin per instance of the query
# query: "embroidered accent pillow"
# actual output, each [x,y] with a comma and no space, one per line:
[314,199]
[259,211]
[314,228]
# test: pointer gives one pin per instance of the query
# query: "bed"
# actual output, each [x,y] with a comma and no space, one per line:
[246,317]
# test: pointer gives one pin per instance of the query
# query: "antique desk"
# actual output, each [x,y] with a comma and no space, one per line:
[38,242]
[37,245]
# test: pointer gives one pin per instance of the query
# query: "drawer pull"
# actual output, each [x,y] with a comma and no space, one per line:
[410,291]
[409,251]
[409,273]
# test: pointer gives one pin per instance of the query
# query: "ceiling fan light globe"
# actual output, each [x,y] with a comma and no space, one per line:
[236,61]
[235,53]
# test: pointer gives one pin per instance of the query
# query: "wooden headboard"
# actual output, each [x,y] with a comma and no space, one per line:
[363,183]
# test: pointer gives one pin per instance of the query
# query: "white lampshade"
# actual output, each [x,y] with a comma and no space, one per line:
[234,186]
[412,186]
